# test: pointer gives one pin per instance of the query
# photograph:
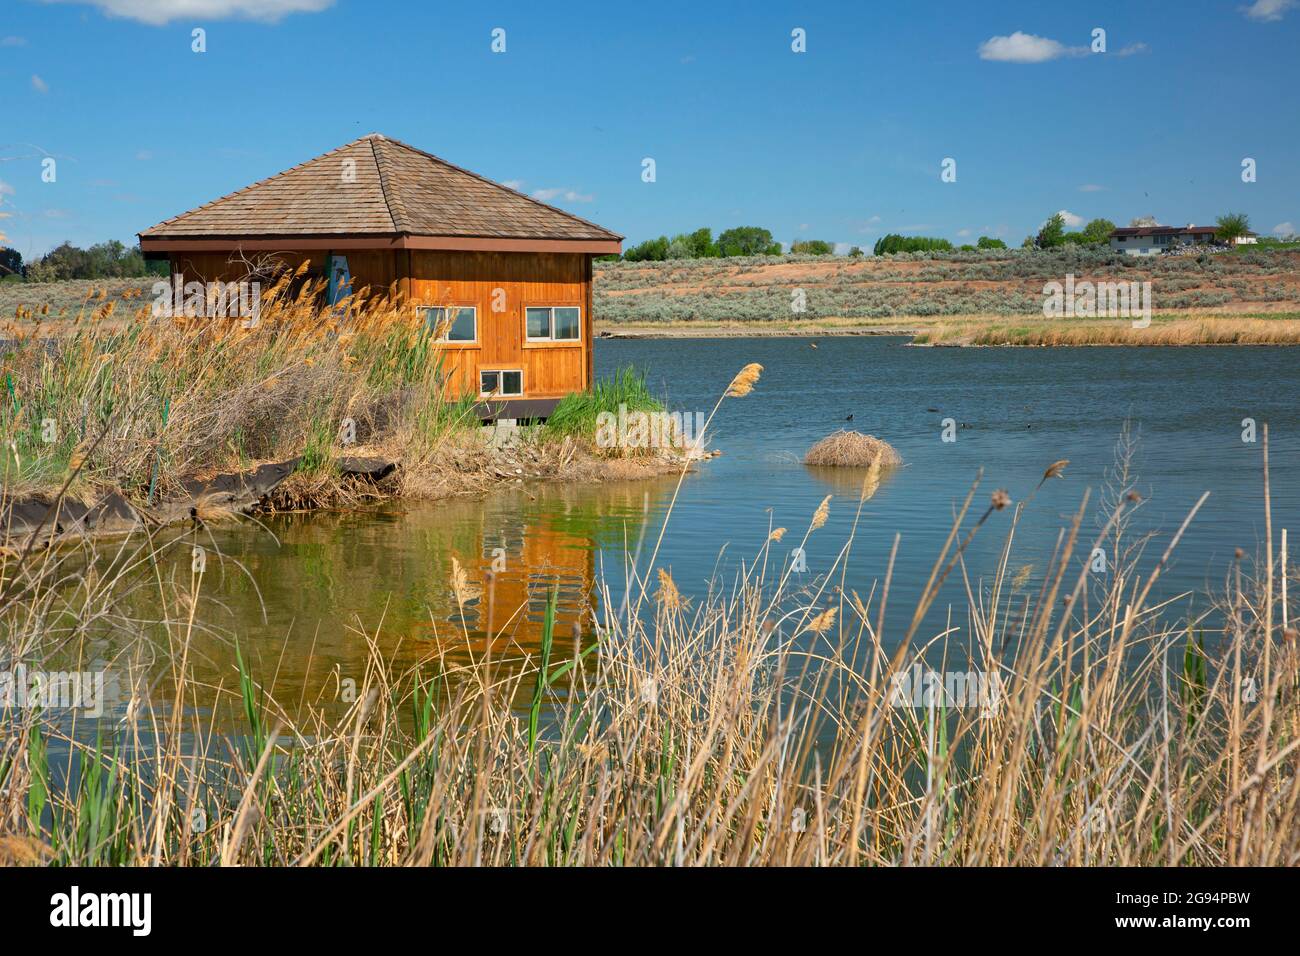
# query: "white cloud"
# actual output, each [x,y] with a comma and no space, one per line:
[14,41]
[515,184]
[1284,229]
[1131,49]
[144,155]
[1071,220]
[963,233]
[159,12]
[561,192]
[1268,11]
[6,189]
[39,85]
[1026,48]
[1091,188]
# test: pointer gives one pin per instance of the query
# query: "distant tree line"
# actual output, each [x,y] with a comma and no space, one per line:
[1053,233]
[105,260]
[700,244]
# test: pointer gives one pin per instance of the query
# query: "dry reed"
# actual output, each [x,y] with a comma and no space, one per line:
[762,725]
[849,449]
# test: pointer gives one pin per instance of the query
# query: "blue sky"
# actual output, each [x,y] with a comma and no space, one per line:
[842,142]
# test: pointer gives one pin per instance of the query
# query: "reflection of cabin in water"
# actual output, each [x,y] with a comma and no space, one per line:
[507,277]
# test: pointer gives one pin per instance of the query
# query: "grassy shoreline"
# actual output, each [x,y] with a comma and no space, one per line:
[104,404]
[1190,328]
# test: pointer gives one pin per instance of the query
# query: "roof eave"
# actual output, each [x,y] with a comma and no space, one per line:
[345,241]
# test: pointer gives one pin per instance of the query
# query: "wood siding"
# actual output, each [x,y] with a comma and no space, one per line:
[376,269]
[438,278]
[524,279]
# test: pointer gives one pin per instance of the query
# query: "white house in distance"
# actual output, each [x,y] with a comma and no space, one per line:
[1153,240]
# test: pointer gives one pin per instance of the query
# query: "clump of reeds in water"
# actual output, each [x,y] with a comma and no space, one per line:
[850,449]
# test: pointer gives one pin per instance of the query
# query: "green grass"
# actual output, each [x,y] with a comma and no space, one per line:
[577,414]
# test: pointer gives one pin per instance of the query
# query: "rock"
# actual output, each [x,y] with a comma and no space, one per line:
[239,490]
[372,469]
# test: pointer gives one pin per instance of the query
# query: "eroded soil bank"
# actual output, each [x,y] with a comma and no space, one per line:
[470,467]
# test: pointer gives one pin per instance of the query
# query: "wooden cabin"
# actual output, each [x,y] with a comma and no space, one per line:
[506,277]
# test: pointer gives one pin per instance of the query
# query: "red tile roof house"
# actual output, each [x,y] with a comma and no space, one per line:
[1153,240]
[508,276]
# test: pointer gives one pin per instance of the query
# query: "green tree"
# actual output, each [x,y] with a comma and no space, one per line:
[1232,225]
[893,242]
[988,242]
[812,247]
[1052,233]
[11,261]
[747,241]
[652,250]
[701,244]
[106,260]
[1098,230]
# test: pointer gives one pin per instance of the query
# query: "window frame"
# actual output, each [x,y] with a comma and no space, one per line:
[456,344]
[552,343]
[499,371]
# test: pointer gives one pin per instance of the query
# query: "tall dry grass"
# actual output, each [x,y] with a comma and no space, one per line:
[1165,331]
[757,725]
[134,402]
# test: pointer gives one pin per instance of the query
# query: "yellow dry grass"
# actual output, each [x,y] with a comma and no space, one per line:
[849,449]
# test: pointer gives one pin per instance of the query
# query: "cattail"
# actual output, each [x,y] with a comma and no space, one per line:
[461,586]
[776,535]
[872,482]
[668,594]
[1000,499]
[823,621]
[1055,469]
[744,381]
[822,513]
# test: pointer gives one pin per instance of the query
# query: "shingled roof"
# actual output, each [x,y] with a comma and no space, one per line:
[377,187]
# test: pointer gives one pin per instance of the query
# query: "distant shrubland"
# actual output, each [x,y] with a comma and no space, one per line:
[989,281]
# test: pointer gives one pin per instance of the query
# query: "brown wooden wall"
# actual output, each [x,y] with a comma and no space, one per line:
[524,279]
[376,269]
[464,278]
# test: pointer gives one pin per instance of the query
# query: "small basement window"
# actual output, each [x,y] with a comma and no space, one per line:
[459,323]
[501,382]
[553,323]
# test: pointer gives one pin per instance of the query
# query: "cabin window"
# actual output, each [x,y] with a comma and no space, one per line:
[501,382]
[460,323]
[553,323]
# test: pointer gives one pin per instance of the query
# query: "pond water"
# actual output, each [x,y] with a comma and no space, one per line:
[305,593]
